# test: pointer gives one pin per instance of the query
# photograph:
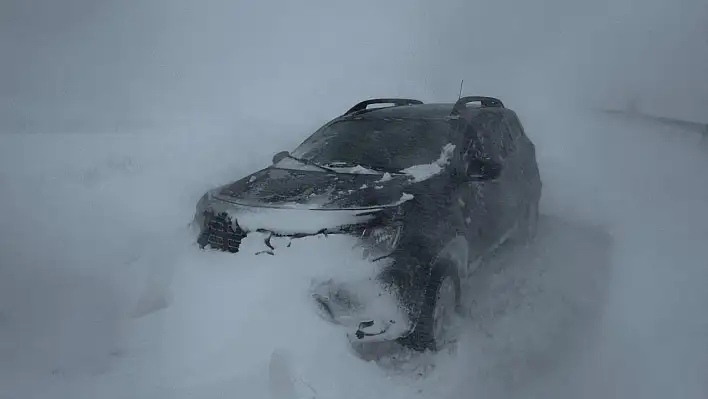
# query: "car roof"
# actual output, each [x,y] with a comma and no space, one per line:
[442,111]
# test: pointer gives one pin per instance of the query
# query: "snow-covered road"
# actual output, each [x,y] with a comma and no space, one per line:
[104,294]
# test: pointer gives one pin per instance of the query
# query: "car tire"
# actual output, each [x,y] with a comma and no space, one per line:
[441,303]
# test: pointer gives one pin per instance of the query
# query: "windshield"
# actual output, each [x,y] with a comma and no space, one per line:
[383,144]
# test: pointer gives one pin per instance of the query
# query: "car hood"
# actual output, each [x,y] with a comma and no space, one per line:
[287,188]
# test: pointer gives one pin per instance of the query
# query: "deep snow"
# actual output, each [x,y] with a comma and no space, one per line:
[115,117]
[103,292]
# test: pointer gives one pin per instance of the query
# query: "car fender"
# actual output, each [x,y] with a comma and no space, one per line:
[413,270]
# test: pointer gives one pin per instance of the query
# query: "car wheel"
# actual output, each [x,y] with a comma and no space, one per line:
[444,312]
[434,329]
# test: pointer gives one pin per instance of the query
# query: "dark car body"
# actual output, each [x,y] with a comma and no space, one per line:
[413,181]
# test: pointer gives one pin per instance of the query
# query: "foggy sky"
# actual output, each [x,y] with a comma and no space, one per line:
[91,63]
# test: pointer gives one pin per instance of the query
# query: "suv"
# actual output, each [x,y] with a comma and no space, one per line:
[427,189]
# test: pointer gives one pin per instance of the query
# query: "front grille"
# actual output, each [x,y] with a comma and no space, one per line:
[219,233]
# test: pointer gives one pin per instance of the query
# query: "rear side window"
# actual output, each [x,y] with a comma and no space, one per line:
[494,137]
[487,142]
[508,137]
[517,130]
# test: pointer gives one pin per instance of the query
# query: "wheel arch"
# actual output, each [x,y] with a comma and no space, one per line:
[452,259]
[442,264]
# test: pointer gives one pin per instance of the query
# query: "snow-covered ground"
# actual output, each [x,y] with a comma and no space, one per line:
[103,292]
[115,117]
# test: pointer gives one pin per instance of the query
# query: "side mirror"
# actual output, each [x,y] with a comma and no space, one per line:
[280,156]
[484,169]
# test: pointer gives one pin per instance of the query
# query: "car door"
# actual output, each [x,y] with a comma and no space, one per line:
[480,204]
[500,199]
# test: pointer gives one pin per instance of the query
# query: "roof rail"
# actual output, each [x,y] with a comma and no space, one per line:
[395,101]
[485,101]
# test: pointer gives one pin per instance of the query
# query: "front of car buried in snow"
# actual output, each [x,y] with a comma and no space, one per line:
[356,294]
[369,312]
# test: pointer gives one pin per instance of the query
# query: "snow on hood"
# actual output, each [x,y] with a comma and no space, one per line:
[294,220]
[426,171]
[299,218]
[289,188]
[358,169]
[386,177]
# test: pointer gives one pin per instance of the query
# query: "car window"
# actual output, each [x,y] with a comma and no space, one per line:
[517,130]
[488,143]
[474,147]
[386,143]
[507,138]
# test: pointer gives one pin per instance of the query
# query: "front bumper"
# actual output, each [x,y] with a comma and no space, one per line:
[368,312]
[222,223]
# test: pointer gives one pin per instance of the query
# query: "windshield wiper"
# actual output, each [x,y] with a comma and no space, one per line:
[308,162]
[378,169]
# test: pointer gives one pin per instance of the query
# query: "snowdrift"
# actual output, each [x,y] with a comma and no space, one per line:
[104,293]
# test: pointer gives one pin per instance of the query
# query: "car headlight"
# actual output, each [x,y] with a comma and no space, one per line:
[381,240]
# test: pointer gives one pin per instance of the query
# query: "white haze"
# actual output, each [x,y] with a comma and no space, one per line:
[117,116]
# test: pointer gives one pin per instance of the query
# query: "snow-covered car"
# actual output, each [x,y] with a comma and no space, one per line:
[426,190]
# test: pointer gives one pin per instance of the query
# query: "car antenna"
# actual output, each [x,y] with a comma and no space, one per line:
[459,96]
